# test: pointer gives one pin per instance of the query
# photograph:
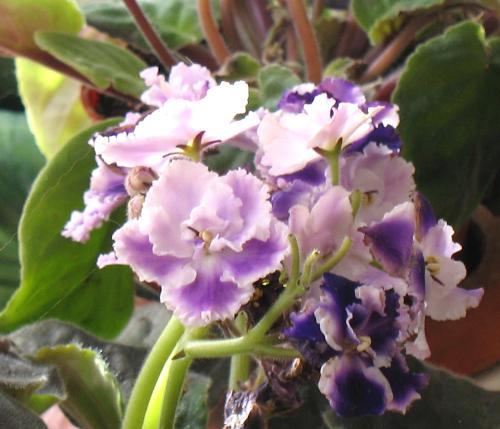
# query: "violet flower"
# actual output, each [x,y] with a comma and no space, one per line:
[204,239]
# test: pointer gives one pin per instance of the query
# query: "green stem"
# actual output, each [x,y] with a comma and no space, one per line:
[240,364]
[294,249]
[150,371]
[330,263]
[234,346]
[305,280]
[161,409]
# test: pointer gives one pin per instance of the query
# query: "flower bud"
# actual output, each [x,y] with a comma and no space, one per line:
[134,207]
[139,180]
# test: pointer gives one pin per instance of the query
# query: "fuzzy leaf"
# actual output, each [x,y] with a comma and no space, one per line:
[21,19]
[192,410]
[104,64]
[53,105]
[93,396]
[273,81]
[239,66]
[59,278]
[380,18]
[448,96]
[14,416]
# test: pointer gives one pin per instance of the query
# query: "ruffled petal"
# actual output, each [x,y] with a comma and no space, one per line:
[353,387]
[391,240]
[133,248]
[405,385]
[207,298]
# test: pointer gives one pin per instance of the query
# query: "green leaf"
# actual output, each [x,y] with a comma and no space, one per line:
[380,18]
[14,416]
[239,66]
[21,19]
[328,30]
[59,278]
[93,397]
[343,67]
[175,20]
[20,160]
[273,81]
[53,105]
[104,64]
[448,96]
[192,411]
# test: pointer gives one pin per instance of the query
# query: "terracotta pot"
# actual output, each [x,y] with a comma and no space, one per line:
[472,344]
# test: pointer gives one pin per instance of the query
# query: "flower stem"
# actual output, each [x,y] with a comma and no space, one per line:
[167,390]
[305,33]
[333,260]
[240,364]
[150,371]
[214,39]
[149,33]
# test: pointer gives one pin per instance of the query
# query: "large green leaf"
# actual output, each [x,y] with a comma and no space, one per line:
[53,105]
[93,396]
[20,160]
[380,18]
[20,19]
[104,64]
[449,98]
[175,20]
[59,278]
[273,81]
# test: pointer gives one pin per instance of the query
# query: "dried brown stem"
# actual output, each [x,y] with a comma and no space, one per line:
[211,31]
[394,49]
[318,7]
[307,38]
[150,34]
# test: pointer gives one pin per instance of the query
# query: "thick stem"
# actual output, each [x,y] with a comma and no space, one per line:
[318,7]
[150,372]
[211,31]
[150,34]
[167,390]
[305,33]
[240,364]
[395,48]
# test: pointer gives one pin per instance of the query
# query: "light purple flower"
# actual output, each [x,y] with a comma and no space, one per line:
[320,126]
[185,82]
[384,179]
[178,122]
[107,192]
[204,239]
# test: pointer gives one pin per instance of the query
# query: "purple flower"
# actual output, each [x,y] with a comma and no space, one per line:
[107,192]
[204,239]
[354,333]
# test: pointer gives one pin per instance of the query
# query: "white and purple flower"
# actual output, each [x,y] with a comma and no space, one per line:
[204,239]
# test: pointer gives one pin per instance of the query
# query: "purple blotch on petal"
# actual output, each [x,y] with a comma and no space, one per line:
[342,90]
[391,243]
[354,387]
[405,385]
[381,135]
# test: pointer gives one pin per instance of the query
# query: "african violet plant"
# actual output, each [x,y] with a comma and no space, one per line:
[268,202]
